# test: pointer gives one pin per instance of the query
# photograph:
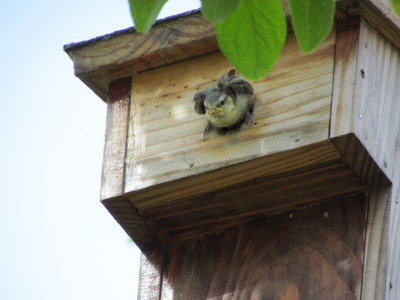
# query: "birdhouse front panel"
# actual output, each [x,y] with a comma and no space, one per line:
[165,136]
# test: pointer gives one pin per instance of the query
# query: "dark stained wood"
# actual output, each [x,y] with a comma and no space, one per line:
[127,216]
[232,205]
[312,253]
[358,158]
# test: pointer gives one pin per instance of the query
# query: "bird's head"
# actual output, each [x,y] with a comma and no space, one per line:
[217,102]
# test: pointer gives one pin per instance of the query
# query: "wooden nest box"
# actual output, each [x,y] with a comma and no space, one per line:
[302,204]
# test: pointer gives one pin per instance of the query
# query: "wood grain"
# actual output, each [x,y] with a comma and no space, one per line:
[373,119]
[243,192]
[165,186]
[375,284]
[99,61]
[130,220]
[289,256]
[379,14]
[379,132]
[150,279]
[345,77]
[102,60]
[112,181]
[356,156]
[165,140]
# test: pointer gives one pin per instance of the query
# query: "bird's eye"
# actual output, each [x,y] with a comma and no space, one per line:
[222,102]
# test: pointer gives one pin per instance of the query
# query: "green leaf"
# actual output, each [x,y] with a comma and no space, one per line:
[396,6]
[312,21]
[145,12]
[218,10]
[253,36]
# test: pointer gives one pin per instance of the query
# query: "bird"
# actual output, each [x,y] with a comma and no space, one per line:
[227,105]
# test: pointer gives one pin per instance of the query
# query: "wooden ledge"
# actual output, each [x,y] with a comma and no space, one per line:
[170,212]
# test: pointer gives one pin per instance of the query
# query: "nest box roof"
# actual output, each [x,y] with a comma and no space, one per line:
[102,60]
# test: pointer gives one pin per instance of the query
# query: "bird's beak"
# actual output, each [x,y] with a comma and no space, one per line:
[215,111]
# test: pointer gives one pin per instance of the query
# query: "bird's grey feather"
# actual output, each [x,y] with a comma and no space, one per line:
[199,102]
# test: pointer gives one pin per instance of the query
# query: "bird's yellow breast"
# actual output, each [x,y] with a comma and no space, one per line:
[225,117]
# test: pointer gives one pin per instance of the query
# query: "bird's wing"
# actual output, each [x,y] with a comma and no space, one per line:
[198,99]
[235,86]
[239,85]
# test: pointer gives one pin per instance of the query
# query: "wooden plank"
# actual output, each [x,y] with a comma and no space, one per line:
[312,253]
[375,283]
[243,192]
[165,140]
[374,120]
[101,60]
[127,216]
[112,180]
[360,161]
[393,253]
[150,279]
[379,101]
[381,62]
[379,13]
[278,163]
[345,77]
[232,206]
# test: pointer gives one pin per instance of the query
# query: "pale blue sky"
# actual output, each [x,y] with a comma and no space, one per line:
[57,240]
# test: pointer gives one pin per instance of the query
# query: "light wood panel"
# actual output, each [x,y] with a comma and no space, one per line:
[151,269]
[114,167]
[165,140]
[345,78]
[112,180]
[371,112]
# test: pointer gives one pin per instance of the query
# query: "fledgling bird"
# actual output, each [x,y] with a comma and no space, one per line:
[226,106]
